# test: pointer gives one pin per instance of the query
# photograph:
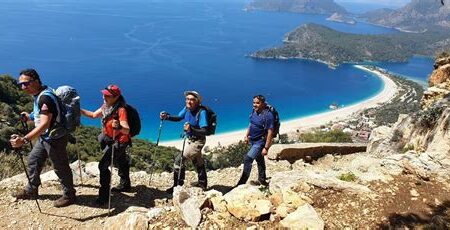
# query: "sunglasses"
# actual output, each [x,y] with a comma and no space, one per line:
[111,91]
[25,83]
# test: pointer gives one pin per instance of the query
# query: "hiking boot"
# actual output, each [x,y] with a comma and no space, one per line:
[122,188]
[259,182]
[199,185]
[64,201]
[169,190]
[263,182]
[25,195]
[101,201]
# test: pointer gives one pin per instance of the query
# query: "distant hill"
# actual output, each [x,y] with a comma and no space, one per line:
[317,42]
[417,16]
[298,6]
[336,17]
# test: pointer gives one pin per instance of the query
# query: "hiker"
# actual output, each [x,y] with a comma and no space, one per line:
[259,134]
[51,139]
[195,129]
[114,122]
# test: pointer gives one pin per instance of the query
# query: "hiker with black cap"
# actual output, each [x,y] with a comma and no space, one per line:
[195,129]
[259,135]
[51,139]
[115,134]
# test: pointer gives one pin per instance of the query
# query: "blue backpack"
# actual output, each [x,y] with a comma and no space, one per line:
[67,102]
[71,106]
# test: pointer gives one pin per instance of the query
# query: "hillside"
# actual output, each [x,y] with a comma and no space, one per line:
[400,181]
[317,42]
[416,16]
[297,6]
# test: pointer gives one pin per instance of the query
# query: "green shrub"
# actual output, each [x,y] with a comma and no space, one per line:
[407,148]
[335,136]
[349,177]
[230,156]
[428,118]
[443,55]
[10,164]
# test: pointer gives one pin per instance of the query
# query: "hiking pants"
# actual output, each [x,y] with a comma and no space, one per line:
[192,151]
[255,153]
[121,161]
[56,151]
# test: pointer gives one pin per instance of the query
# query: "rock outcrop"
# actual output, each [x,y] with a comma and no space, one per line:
[439,83]
[305,217]
[416,16]
[308,151]
[420,143]
[248,203]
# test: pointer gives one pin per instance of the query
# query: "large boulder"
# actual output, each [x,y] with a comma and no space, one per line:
[217,200]
[133,218]
[379,141]
[423,165]
[282,181]
[305,151]
[248,203]
[188,202]
[305,217]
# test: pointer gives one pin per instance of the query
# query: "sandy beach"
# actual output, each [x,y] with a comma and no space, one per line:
[388,92]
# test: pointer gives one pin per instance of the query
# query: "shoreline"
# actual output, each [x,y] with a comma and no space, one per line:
[388,92]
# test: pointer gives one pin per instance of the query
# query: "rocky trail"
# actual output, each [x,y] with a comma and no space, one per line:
[371,201]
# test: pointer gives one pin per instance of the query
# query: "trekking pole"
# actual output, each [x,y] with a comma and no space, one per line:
[111,168]
[79,167]
[159,131]
[19,155]
[26,129]
[25,126]
[181,160]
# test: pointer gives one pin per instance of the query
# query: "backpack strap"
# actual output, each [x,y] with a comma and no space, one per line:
[197,115]
[49,92]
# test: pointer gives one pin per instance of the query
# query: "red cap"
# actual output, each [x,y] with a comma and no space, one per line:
[111,90]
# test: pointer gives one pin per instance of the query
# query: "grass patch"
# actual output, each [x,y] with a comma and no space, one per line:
[349,177]
[332,136]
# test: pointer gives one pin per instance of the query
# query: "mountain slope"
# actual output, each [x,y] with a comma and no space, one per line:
[317,42]
[417,16]
[298,6]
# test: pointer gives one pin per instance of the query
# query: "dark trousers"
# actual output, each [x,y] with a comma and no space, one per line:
[56,151]
[254,154]
[121,161]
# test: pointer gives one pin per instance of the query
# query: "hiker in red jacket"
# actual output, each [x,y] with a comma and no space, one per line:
[115,134]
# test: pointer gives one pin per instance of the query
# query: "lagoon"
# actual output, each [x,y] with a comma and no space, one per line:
[155,50]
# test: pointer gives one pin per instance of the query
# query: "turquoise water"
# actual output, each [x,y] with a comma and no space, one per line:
[155,50]
[418,68]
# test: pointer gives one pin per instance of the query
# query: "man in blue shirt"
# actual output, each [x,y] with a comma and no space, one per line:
[195,128]
[51,140]
[259,135]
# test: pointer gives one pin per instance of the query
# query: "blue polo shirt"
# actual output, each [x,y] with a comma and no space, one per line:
[190,117]
[260,123]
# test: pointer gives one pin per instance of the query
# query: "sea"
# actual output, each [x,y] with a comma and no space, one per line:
[154,50]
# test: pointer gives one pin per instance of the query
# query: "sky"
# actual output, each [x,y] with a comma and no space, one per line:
[380,2]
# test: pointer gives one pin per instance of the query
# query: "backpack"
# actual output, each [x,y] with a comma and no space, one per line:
[67,102]
[276,120]
[134,121]
[211,119]
[70,101]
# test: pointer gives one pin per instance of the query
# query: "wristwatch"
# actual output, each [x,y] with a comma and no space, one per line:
[26,140]
[267,148]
